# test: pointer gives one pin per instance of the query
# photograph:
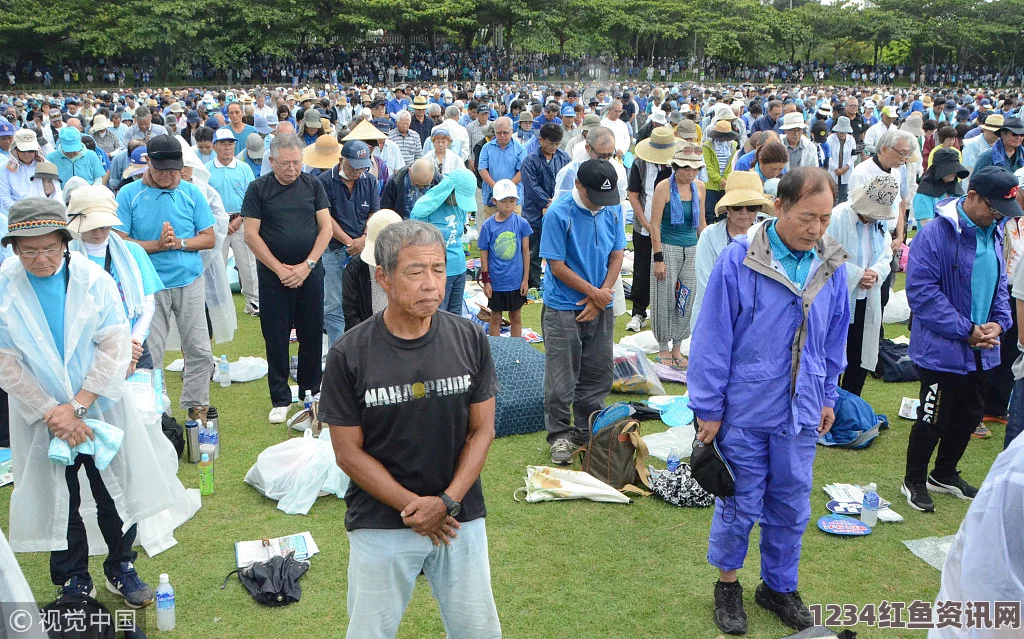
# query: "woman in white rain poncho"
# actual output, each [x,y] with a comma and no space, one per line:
[40,381]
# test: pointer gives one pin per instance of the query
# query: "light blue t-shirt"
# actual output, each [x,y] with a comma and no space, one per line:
[150,280]
[503,242]
[240,138]
[581,239]
[924,206]
[501,164]
[52,294]
[451,221]
[230,183]
[985,272]
[143,211]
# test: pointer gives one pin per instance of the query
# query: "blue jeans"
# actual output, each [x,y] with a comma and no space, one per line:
[454,289]
[1015,418]
[382,570]
[334,261]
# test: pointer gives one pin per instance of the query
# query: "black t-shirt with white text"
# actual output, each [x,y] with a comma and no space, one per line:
[412,399]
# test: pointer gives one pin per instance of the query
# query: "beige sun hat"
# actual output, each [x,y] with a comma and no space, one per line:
[687,154]
[325,153]
[874,199]
[744,188]
[91,207]
[659,148]
[374,225]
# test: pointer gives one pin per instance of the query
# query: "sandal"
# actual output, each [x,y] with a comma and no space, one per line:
[681,363]
[668,361]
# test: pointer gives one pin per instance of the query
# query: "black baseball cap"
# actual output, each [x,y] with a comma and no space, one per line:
[600,180]
[164,153]
[998,187]
[378,103]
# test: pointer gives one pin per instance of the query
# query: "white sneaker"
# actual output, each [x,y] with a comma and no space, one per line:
[635,324]
[278,414]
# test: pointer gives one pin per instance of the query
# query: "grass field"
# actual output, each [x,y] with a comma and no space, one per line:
[573,569]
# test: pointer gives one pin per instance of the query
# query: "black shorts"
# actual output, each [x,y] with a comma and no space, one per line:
[506,301]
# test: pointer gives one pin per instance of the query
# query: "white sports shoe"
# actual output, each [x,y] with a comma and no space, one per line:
[635,324]
[278,414]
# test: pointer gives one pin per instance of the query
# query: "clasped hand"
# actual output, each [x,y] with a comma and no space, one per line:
[428,516]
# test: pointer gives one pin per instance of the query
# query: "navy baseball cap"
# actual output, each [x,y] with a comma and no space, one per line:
[383,124]
[998,187]
[357,153]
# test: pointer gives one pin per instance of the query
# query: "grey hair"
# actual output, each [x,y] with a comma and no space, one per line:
[142,112]
[452,113]
[284,141]
[598,134]
[403,115]
[395,237]
[433,108]
[889,139]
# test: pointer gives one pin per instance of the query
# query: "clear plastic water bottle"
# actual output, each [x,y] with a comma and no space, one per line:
[225,372]
[673,460]
[869,507]
[307,402]
[165,604]
[213,435]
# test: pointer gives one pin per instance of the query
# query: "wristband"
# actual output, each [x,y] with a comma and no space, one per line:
[485,277]
[659,256]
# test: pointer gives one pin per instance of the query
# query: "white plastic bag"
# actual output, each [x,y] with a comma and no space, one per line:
[897,311]
[246,369]
[544,483]
[643,340]
[275,469]
[659,445]
[309,481]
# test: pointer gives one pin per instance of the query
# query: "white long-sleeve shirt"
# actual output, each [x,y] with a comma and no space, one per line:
[17,185]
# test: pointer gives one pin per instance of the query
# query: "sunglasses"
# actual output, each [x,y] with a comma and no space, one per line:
[739,209]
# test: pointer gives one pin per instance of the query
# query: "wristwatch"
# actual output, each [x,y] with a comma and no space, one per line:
[311,264]
[454,507]
[184,245]
[80,410]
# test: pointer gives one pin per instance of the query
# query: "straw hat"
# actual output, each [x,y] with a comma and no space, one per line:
[874,199]
[658,148]
[364,131]
[993,123]
[91,207]
[325,153]
[687,154]
[744,188]
[374,225]
[100,123]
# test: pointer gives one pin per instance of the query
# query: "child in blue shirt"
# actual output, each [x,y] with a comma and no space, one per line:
[505,259]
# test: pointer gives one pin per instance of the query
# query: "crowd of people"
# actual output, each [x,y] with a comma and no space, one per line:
[387,63]
[767,225]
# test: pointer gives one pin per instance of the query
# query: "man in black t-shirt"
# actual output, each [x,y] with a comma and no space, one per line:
[409,396]
[288,226]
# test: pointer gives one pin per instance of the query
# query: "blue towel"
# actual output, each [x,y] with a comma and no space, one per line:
[103,448]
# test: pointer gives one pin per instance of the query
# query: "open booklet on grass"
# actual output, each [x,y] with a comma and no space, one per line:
[246,552]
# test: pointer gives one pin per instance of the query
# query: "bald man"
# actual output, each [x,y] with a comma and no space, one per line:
[407,185]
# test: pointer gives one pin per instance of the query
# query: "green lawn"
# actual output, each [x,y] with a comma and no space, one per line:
[575,569]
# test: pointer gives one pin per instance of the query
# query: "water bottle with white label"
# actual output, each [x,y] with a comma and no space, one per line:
[673,460]
[869,507]
[225,372]
[165,604]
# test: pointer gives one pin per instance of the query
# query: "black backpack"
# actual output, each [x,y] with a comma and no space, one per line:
[894,364]
[80,607]
[174,432]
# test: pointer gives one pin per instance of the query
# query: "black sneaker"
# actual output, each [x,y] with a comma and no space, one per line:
[77,587]
[729,614]
[787,605]
[954,486]
[135,592]
[918,497]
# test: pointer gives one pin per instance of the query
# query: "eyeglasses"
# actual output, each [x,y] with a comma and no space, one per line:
[903,154]
[750,208]
[605,156]
[991,209]
[50,252]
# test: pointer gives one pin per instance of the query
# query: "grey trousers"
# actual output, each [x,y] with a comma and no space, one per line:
[188,306]
[577,370]
[667,323]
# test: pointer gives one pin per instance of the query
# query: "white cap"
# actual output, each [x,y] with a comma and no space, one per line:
[505,189]
[164,579]
[222,134]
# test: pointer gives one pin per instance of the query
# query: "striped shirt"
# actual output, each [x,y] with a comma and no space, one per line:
[409,144]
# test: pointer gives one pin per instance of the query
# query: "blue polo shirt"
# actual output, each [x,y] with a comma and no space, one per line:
[240,138]
[581,239]
[502,164]
[230,182]
[985,273]
[143,211]
[85,165]
[350,208]
[51,293]
[796,263]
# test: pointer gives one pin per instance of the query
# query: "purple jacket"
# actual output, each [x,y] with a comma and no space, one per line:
[939,293]
[765,355]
